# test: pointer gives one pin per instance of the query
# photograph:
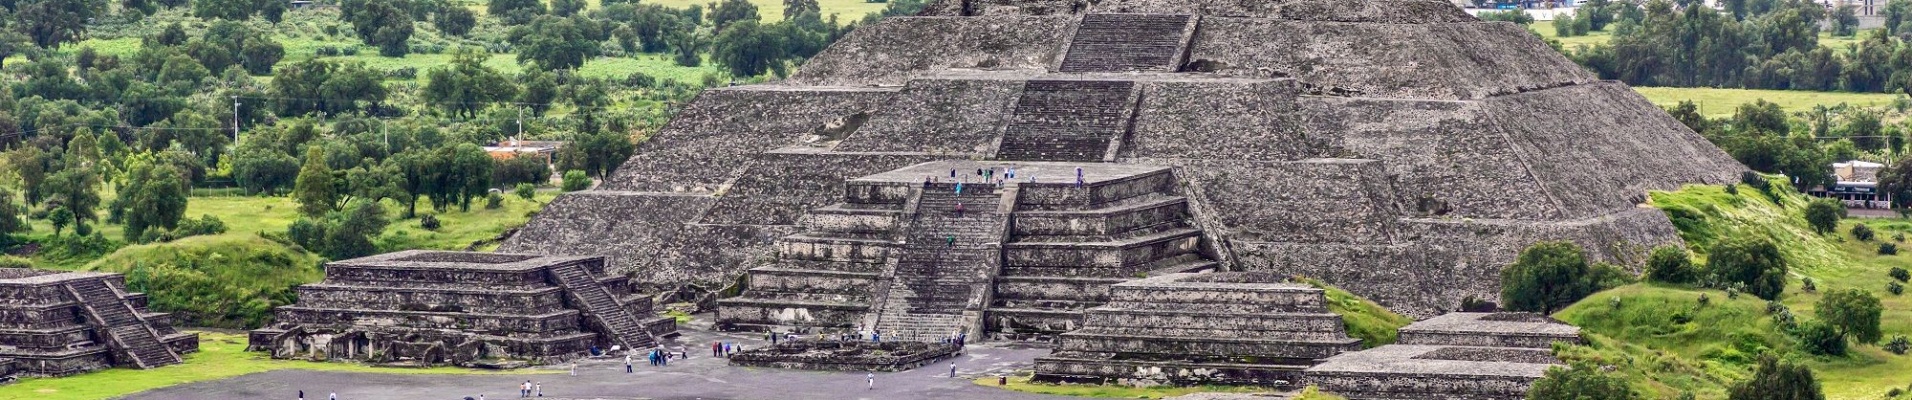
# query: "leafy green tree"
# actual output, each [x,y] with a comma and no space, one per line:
[321,86]
[1751,261]
[455,21]
[1819,338]
[523,169]
[1671,264]
[566,8]
[154,196]
[12,217]
[1823,215]
[75,189]
[380,23]
[1853,312]
[33,166]
[1897,13]
[793,8]
[468,174]
[341,234]
[373,183]
[1546,277]
[747,49]
[466,85]
[554,43]
[49,23]
[1580,382]
[540,90]
[236,10]
[729,12]
[1845,20]
[262,169]
[604,152]
[1775,379]
[515,12]
[173,35]
[315,190]
[575,180]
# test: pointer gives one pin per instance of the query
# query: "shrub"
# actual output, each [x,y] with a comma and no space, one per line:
[326,51]
[7,261]
[1775,379]
[1862,232]
[205,225]
[1754,180]
[1514,16]
[1900,274]
[1823,215]
[1807,285]
[1475,304]
[1895,288]
[1854,313]
[1886,249]
[349,51]
[1751,261]
[1898,237]
[525,191]
[1546,277]
[1732,189]
[1899,345]
[1582,381]
[1821,339]
[1671,264]
[494,201]
[429,222]
[575,180]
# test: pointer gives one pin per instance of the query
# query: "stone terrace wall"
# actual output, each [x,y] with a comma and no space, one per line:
[891,52]
[778,188]
[1445,157]
[1316,201]
[1435,61]
[1572,133]
[708,142]
[646,233]
[1383,11]
[1176,119]
[940,116]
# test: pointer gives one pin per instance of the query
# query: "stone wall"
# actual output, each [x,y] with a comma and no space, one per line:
[1312,201]
[1434,61]
[777,188]
[955,117]
[1382,11]
[898,49]
[1176,120]
[1445,158]
[708,142]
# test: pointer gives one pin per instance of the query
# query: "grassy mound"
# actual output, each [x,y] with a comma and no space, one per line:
[1706,215]
[223,281]
[1365,320]
[1666,342]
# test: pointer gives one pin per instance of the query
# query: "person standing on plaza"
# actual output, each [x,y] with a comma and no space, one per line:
[872,378]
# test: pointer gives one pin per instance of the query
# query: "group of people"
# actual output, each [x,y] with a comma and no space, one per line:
[724,349]
[989,175]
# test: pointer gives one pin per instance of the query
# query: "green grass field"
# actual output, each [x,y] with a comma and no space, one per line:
[221,355]
[1721,102]
[1546,30]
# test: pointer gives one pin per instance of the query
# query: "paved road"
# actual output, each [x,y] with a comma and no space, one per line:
[698,377]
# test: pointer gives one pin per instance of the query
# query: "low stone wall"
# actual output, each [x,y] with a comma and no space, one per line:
[896,49]
[1100,222]
[1065,369]
[560,320]
[1385,11]
[1174,121]
[846,355]
[1061,193]
[950,117]
[482,301]
[800,316]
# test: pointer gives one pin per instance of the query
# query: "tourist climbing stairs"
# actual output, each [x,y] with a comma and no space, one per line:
[1128,43]
[120,325]
[596,301]
[1067,120]
[945,266]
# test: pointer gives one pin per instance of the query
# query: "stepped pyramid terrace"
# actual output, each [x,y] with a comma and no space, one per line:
[461,308]
[1400,149]
[1489,356]
[57,323]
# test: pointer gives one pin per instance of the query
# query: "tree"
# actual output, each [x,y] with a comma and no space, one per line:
[540,90]
[261,169]
[468,174]
[1819,338]
[1897,13]
[732,11]
[315,189]
[380,23]
[154,196]
[1580,382]
[604,152]
[341,234]
[523,169]
[1671,264]
[515,12]
[747,49]
[1823,215]
[793,8]
[455,21]
[1546,277]
[50,23]
[1845,20]
[75,190]
[554,43]
[467,85]
[1774,379]
[236,10]
[12,217]
[1853,312]
[321,86]
[566,8]
[1751,261]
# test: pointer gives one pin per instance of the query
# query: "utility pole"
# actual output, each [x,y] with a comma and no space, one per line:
[520,123]
[235,122]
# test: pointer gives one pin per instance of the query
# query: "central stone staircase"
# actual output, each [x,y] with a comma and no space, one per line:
[1067,120]
[1128,43]
[125,331]
[942,276]
[596,301]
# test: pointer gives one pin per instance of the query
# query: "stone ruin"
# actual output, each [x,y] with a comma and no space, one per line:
[846,355]
[1195,329]
[1476,356]
[57,323]
[1400,149]
[462,308]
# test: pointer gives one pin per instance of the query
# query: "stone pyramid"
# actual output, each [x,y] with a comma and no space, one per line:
[1398,148]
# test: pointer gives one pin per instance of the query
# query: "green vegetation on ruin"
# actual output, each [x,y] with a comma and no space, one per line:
[1666,342]
[1365,320]
[221,355]
[1023,384]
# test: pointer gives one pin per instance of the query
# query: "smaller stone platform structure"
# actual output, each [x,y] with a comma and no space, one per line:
[1188,329]
[462,308]
[1466,356]
[57,323]
[850,355]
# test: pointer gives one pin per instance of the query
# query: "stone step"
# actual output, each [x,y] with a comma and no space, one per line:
[1126,43]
